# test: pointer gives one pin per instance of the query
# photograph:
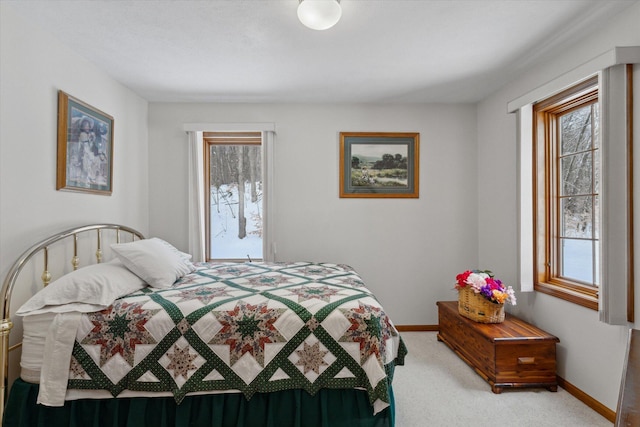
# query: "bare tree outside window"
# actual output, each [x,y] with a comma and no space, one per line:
[235,201]
[579,197]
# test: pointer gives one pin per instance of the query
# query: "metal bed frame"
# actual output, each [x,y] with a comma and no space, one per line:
[14,272]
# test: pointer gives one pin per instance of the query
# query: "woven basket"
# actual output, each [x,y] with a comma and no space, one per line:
[477,308]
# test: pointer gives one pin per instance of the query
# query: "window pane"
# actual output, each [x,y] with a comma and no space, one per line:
[596,248]
[577,259]
[577,174]
[596,124]
[236,202]
[577,217]
[596,171]
[596,217]
[575,130]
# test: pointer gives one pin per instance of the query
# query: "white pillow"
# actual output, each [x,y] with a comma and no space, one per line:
[153,260]
[88,289]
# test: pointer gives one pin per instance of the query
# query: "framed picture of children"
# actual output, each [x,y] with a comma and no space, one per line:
[85,147]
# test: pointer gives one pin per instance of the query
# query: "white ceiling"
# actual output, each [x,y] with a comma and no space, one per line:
[258,51]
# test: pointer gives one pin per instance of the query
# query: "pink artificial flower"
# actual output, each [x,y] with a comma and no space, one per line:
[477,281]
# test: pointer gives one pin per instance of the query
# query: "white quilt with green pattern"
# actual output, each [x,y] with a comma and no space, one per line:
[254,327]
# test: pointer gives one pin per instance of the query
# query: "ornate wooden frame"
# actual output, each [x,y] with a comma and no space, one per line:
[85,147]
[362,159]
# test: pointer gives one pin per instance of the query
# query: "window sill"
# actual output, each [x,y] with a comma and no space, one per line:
[584,297]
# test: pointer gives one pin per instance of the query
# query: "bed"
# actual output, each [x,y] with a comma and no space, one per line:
[146,337]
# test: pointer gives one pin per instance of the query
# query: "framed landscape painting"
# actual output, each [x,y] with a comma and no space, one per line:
[381,164]
[85,147]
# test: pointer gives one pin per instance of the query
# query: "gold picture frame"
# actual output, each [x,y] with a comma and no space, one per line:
[379,164]
[85,147]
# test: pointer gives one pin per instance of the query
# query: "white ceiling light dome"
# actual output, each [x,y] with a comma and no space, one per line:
[319,14]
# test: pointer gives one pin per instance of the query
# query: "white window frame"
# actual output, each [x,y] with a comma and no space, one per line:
[196,198]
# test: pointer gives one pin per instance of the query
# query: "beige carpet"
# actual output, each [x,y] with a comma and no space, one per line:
[436,388]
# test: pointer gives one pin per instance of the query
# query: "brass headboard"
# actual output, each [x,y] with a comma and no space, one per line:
[14,272]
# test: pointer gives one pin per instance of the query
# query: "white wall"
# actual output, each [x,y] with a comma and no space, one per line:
[407,250]
[590,353]
[33,67]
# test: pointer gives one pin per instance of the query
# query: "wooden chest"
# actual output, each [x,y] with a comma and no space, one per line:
[508,354]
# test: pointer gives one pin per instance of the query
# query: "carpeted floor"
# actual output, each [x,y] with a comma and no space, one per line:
[436,388]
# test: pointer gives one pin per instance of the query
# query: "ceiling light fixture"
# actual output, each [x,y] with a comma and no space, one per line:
[319,14]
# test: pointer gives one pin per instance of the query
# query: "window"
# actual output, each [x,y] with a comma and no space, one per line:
[234,211]
[567,195]
[612,292]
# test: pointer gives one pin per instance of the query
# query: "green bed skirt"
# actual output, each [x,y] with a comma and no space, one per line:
[289,408]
